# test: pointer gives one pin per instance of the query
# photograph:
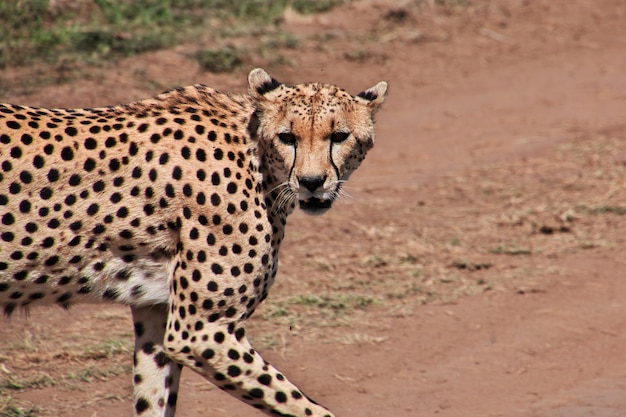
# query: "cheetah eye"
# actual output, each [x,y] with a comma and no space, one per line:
[287,138]
[338,137]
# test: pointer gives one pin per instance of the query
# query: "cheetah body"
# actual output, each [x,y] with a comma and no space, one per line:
[175,206]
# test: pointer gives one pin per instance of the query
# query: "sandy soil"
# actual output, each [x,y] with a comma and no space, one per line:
[477,270]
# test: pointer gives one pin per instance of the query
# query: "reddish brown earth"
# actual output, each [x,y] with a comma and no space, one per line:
[479,268]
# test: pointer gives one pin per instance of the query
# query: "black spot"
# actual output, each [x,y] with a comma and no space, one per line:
[234,371]
[148,348]
[15,188]
[71,131]
[98,186]
[141,405]
[139,329]
[89,165]
[53,224]
[93,209]
[67,154]
[16,152]
[110,294]
[208,354]
[265,379]
[217,269]
[51,261]
[90,143]
[177,173]
[12,124]
[123,275]
[281,397]
[256,393]
[64,280]
[110,142]
[240,334]
[161,359]
[8,219]
[63,298]
[115,198]
[53,175]
[114,164]
[74,180]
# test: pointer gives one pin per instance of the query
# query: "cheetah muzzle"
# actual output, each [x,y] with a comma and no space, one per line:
[176,206]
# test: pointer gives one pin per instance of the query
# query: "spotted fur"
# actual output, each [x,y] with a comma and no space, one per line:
[175,206]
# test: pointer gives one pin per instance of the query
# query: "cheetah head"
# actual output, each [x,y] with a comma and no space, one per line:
[312,137]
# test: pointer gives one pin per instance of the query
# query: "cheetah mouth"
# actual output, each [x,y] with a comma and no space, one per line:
[314,205]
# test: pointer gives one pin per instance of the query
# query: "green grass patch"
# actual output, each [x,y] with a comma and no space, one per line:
[335,302]
[334,305]
[17,384]
[97,30]
[224,59]
[315,6]
[91,373]
[511,250]
[11,408]
[107,349]
[603,209]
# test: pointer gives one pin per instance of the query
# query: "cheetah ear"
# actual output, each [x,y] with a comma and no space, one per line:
[261,84]
[373,97]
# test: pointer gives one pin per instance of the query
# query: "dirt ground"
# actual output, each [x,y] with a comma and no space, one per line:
[479,268]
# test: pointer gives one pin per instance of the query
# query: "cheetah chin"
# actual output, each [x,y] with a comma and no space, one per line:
[315,206]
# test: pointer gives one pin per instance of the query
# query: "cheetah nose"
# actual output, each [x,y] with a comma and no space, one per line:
[312,183]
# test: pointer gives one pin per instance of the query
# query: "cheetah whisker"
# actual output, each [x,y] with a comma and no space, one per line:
[282,184]
[283,199]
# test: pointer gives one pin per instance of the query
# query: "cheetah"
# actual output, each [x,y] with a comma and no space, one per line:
[176,206]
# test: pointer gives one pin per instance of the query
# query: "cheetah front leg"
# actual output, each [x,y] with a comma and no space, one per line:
[155,375]
[221,352]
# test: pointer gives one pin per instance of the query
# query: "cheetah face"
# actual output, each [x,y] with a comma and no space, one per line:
[312,137]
